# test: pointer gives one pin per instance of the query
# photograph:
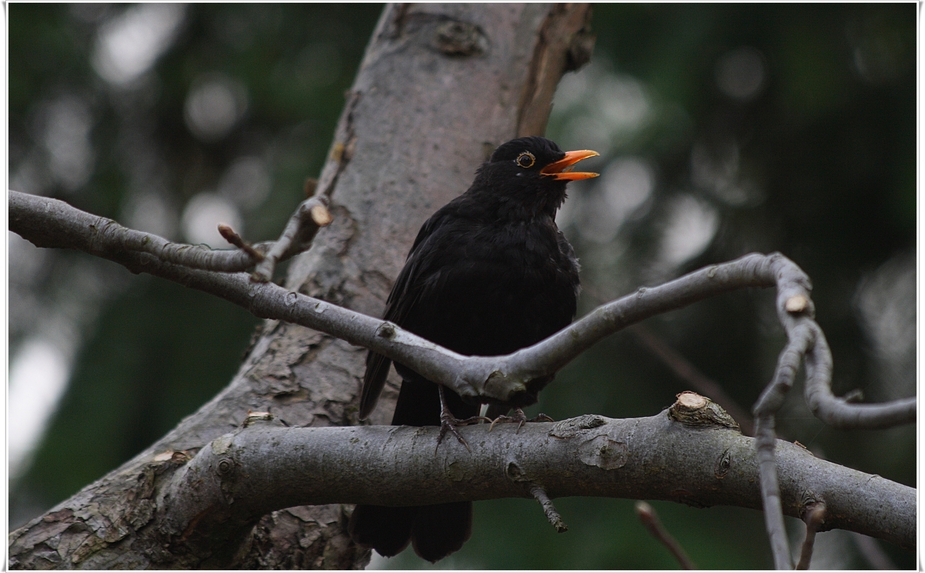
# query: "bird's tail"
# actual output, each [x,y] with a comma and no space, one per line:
[434,531]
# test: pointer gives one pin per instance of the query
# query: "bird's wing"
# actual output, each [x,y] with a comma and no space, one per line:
[574,269]
[377,370]
[401,300]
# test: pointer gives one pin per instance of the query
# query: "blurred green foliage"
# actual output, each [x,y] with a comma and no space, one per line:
[762,127]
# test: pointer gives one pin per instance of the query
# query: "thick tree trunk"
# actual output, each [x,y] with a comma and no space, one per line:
[439,87]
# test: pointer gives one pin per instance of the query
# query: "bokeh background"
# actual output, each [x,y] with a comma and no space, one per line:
[723,129]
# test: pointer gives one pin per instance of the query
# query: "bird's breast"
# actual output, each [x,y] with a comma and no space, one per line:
[519,240]
[493,287]
[530,270]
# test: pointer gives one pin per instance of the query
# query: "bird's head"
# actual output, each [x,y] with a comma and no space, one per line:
[530,173]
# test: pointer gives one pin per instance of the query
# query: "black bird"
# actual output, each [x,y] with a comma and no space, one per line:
[488,274]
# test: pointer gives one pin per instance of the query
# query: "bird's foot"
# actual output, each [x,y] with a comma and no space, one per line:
[449,423]
[520,419]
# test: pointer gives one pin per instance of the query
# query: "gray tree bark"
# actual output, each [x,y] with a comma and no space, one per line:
[440,86]
[691,454]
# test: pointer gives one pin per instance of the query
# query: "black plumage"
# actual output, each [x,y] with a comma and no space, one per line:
[489,273]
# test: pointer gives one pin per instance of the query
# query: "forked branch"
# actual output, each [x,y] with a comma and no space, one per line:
[51,223]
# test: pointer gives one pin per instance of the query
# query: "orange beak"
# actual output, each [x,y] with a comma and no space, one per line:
[562,169]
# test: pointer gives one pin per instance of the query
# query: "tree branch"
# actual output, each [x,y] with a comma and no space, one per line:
[814,517]
[93,233]
[454,72]
[765,443]
[240,476]
[807,343]
[47,222]
[653,524]
[51,223]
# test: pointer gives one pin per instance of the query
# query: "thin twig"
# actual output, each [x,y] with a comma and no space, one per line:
[765,440]
[650,520]
[814,517]
[517,474]
[768,404]
[235,239]
[841,412]
[300,230]
[539,494]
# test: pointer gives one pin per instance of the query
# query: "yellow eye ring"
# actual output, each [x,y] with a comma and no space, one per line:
[525,160]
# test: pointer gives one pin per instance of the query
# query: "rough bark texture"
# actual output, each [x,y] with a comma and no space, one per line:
[440,86]
[691,454]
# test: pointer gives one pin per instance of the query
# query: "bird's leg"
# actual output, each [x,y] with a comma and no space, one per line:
[520,418]
[449,422]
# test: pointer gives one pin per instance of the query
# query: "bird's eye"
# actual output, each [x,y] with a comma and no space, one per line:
[526,160]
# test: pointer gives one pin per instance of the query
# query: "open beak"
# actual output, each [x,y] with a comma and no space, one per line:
[562,169]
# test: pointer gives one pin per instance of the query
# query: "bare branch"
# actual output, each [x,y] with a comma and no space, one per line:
[653,524]
[52,223]
[765,408]
[240,476]
[311,215]
[814,517]
[105,235]
[765,442]
[539,494]
[807,343]
[842,413]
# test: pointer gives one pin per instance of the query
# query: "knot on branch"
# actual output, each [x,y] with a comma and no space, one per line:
[386,330]
[723,465]
[460,39]
[254,417]
[514,472]
[572,427]
[603,452]
[796,304]
[502,386]
[692,409]
[225,468]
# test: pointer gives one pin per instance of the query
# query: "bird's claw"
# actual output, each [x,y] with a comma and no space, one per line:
[449,423]
[509,419]
[520,418]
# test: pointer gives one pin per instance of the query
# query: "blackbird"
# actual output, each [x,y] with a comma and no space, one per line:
[488,274]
